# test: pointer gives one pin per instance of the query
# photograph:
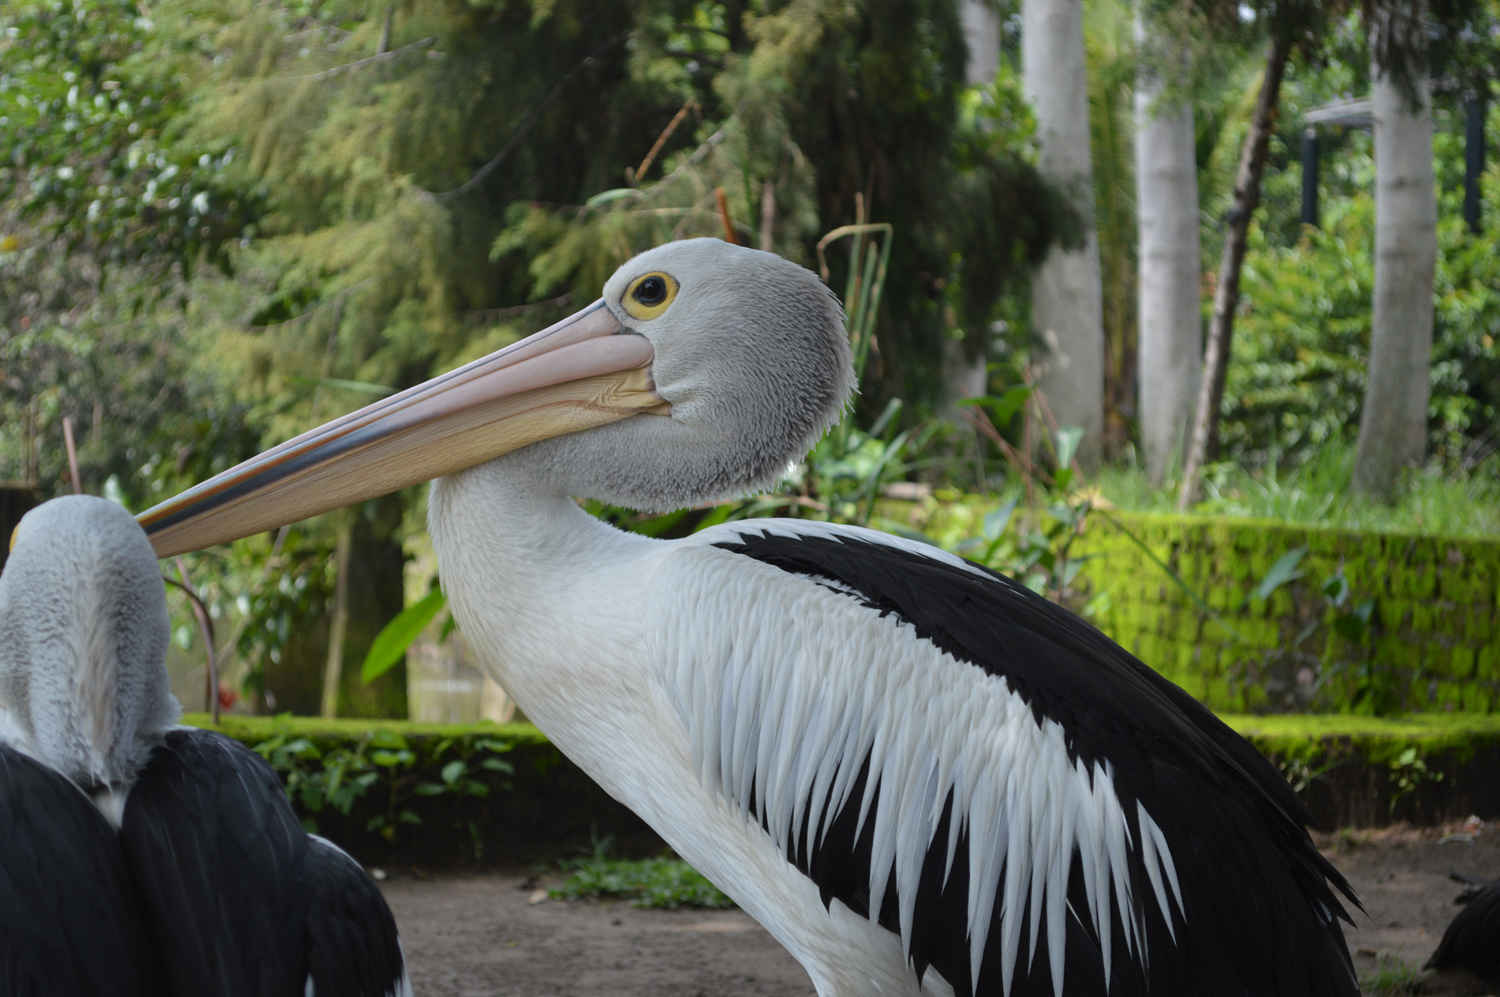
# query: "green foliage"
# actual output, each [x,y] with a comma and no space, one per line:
[891,128]
[1360,753]
[1278,617]
[664,883]
[1296,382]
[85,105]
[337,773]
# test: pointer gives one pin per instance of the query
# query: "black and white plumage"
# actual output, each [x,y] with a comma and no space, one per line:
[1471,941]
[205,881]
[920,777]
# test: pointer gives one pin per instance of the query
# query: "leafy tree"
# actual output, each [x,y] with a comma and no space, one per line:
[1302,28]
[1299,376]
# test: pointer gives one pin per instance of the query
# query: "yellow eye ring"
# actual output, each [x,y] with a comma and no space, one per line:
[649,295]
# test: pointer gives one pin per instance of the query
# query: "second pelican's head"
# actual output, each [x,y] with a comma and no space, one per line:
[83,642]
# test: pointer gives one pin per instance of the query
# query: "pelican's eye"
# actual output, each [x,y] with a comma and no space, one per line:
[649,295]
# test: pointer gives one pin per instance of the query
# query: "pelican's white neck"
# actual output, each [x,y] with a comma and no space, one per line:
[516,556]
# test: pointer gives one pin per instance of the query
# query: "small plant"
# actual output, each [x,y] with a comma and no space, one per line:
[1392,978]
[1408,772]
[666,882]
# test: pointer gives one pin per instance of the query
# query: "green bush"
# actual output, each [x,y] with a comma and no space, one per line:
[1350,770]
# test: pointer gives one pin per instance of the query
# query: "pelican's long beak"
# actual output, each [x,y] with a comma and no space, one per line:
[575,375]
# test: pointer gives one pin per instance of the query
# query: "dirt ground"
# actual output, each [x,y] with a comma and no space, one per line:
[496,933]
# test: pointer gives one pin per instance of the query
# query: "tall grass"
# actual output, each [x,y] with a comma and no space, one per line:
[1321,492]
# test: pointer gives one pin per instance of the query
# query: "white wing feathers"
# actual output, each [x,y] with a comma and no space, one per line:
[802,683]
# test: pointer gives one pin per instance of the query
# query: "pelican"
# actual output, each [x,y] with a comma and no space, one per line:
[190,873]
[1472,939]
[920,777]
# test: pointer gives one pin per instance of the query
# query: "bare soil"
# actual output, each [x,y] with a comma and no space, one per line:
[496,933]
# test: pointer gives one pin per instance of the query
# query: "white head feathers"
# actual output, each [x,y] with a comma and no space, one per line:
[83,641]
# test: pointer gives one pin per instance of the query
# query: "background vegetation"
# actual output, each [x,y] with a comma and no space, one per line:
[224,221]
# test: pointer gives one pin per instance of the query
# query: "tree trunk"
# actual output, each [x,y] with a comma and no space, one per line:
[1227,294]
[339,623]
[1066,306]
[1171,326]
[377,592]
[1393,423]
[965,371]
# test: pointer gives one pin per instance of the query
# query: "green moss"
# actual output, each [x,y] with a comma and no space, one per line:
[251,729]
[1463,662]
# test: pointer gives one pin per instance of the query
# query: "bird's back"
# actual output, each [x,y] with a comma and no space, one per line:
[245,903]
[1472,940]
[219,855]
[70,916]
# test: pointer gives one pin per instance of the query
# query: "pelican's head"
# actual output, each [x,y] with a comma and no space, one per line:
[702,371]
[83,642]
[750,355]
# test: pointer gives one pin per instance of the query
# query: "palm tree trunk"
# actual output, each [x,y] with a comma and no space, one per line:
[1393,423]
[1066,296]
[1170,266]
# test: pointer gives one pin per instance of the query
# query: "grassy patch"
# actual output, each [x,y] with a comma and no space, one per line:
[660,882]
[1392,978]
[1320,493]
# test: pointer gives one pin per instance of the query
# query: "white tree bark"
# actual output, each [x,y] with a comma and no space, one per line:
[1393,423]
[965,373]
[1170,259]
[982,34]
[1066,305]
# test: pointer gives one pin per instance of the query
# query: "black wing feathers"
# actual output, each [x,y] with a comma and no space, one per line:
[219,854]
[1472,941]
[1260,900]
[70,919]
[351,934]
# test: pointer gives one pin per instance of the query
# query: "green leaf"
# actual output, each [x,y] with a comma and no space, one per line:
[452,771]
[1002,408]
[1283,571]
[396,636]
[1336,588]
[605,197]
[1068,439]
[997,520]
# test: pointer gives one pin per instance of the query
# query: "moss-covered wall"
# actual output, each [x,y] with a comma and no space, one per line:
[1430,639]
[1417,629]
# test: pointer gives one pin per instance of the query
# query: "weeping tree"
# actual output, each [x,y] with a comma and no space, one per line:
[825,114]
